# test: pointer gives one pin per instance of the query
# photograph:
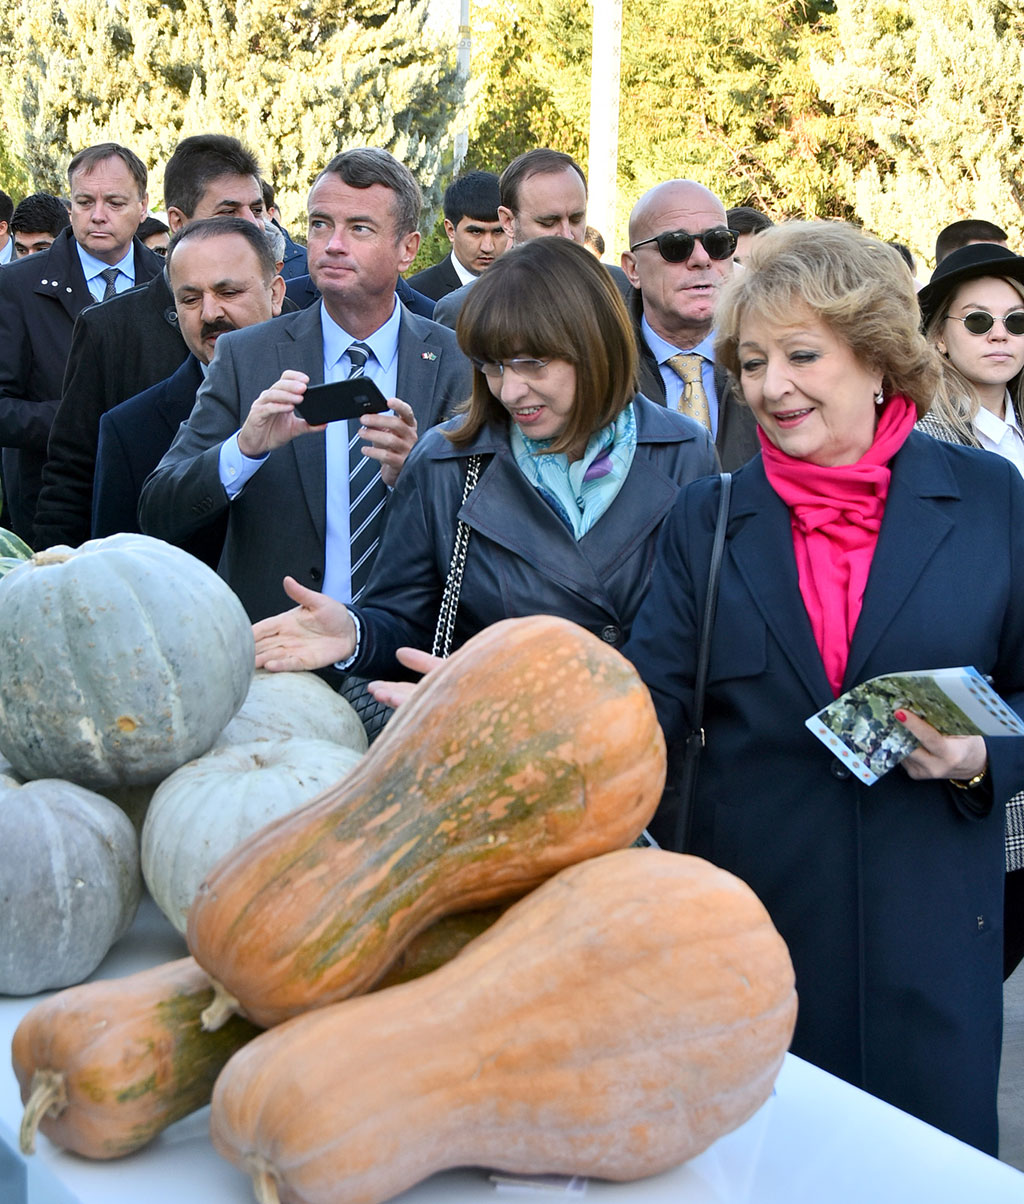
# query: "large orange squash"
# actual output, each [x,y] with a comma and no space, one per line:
[612,1024]
[535,746]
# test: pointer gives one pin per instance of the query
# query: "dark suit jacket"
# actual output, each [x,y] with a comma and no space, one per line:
[134,436]
[294,264]
[438,280]
[40,297]
[736,439]
[277,524]
[120,348]
[303,292]
[447,310]
[888,896]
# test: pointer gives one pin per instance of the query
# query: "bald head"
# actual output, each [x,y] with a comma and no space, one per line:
[658,204]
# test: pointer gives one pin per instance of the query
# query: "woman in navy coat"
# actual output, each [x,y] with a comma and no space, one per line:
[577,474]
[855,547]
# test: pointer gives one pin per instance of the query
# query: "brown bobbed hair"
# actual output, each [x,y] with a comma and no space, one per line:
[549,299]
[854,283]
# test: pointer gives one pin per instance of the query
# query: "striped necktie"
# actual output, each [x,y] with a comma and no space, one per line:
[693,401]
[110,275]
[367,493]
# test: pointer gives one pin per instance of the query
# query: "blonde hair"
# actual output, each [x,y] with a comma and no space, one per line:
[956,400]
[854,283]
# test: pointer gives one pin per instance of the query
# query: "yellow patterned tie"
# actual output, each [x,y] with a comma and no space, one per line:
[693,401]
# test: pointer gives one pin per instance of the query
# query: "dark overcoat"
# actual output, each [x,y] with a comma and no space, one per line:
[889,896]
[522,559]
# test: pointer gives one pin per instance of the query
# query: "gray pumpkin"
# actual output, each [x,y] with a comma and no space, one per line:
[119,661]
[69,883]
[294,704]
[208,807]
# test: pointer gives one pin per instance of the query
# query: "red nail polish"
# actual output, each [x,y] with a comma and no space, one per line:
[901,716]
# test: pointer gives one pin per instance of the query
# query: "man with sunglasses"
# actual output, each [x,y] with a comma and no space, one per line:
[681,253]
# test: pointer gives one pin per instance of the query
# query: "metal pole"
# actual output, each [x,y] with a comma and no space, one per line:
[465,46]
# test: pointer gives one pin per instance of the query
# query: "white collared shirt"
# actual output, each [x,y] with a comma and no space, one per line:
[7,250]
[463,273]
[999,435]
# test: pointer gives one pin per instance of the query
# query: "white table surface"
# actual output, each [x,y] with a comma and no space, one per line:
[817,1140]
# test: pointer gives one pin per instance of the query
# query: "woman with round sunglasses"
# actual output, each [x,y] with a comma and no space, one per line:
[973,312]
[577,472]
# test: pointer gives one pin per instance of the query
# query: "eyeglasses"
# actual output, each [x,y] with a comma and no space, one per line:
[676,246]
[980,322]
[526,368]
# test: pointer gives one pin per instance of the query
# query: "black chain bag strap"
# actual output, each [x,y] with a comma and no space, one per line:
[373,714]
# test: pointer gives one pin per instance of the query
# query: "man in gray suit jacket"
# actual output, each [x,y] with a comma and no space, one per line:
[246,449]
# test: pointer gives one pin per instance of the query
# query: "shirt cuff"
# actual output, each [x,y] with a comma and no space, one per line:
[235,469]
[345,665]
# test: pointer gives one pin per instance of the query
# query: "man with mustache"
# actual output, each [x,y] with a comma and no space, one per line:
[222,276]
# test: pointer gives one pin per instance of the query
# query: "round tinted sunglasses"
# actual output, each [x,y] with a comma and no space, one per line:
[676,246]
[980,322]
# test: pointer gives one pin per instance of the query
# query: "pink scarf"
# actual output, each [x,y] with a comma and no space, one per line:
[836,514]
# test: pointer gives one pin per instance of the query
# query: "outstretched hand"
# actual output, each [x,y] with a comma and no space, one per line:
[394,693]
[317,632]
[938,756]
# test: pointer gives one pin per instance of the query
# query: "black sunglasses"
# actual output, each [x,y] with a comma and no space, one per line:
[676,246]
[980,322]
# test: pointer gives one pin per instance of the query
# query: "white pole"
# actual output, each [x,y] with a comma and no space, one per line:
[465,46]
[604,116]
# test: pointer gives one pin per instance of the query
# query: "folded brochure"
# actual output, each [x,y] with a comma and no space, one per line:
[862,731]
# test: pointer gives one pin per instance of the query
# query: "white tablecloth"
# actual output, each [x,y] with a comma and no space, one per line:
[816,1141]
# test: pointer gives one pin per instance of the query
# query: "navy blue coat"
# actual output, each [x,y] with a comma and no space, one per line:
[522,559]
[133,439]
[889,896]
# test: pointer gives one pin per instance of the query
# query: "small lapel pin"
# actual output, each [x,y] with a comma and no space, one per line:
[428,355]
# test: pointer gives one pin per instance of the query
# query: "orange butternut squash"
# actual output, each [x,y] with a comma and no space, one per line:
[105,1066]
[612,1024]
[535,746]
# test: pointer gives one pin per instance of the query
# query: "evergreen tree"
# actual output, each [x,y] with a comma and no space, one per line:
[720,90]
[939,88]
[297,83]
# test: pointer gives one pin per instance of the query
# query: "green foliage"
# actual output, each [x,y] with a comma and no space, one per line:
[719,91]
[297,83]
[939,88]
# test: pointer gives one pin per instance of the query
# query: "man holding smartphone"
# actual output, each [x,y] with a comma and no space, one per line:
[299,500]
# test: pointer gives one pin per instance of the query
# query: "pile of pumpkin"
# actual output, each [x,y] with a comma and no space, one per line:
[626,1009]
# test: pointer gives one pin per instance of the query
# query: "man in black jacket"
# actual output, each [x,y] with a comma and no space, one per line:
[40,298]
[125,345]
[477,236]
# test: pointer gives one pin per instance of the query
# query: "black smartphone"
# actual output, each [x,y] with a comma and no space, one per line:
[340,399]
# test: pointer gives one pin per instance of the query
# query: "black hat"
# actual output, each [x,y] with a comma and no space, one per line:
[968,263]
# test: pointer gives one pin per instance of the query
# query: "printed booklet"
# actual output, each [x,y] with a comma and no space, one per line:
[861,730]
